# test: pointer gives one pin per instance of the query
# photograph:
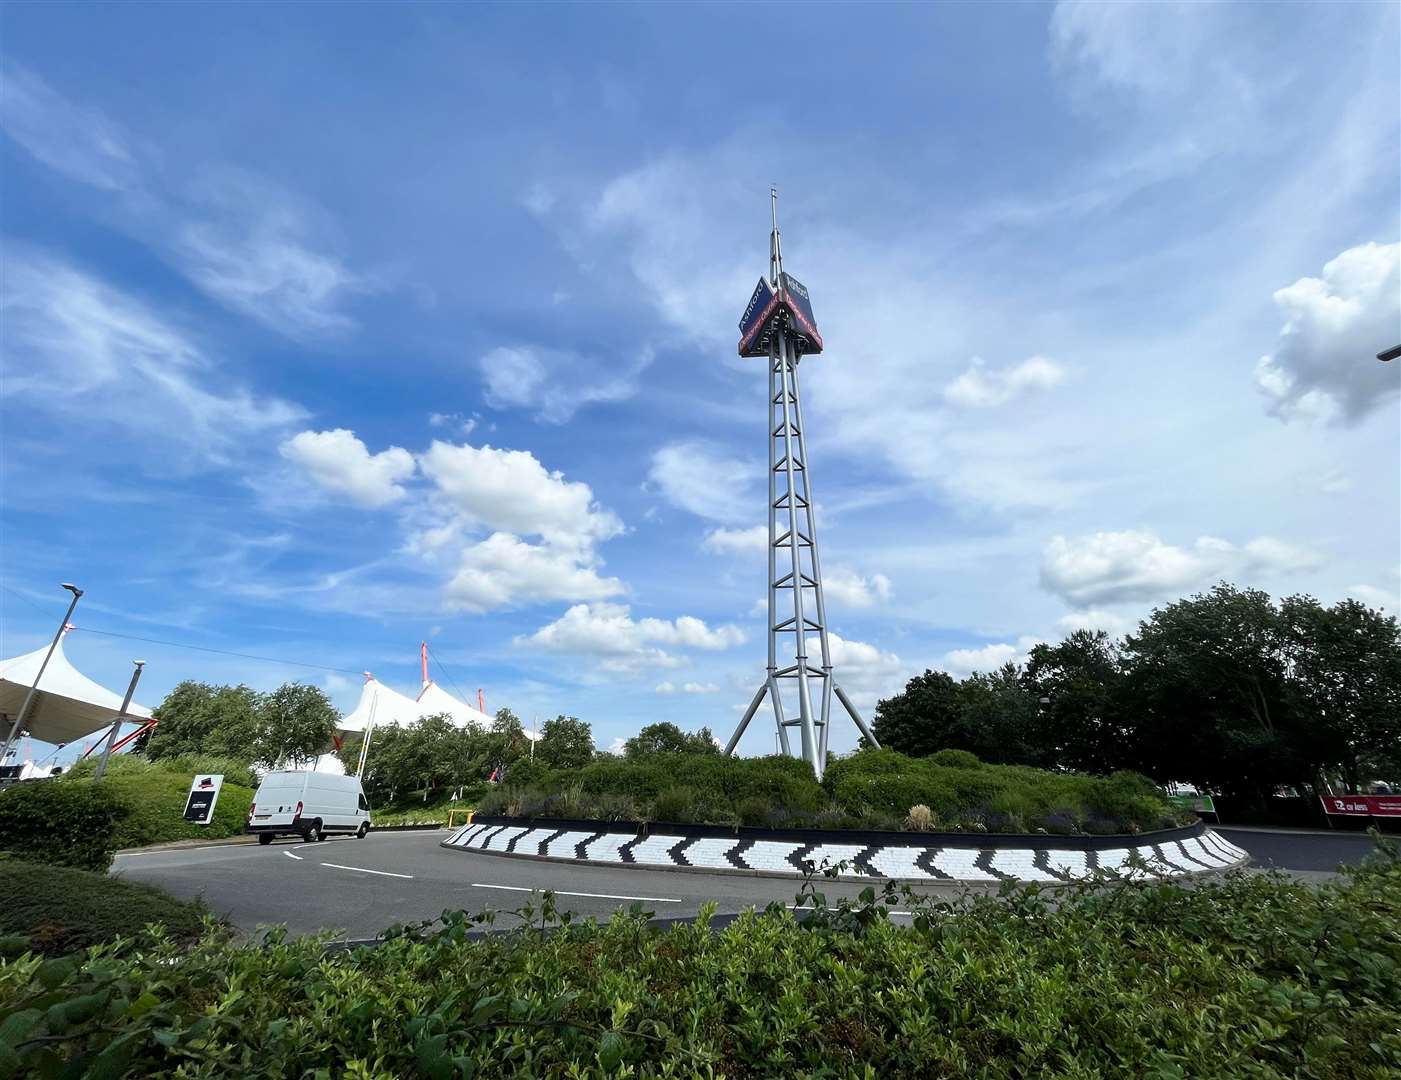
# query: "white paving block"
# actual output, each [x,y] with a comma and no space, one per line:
[529,844]
[654,850]
[959,864]
[462,835]
[1074,863]
[562,846]
[1113,859]
[501,839]
[770,855]
[1197,850]
[605,848]
[481,838]
[1020,865]
[899,862]
[711,853]
[835,853]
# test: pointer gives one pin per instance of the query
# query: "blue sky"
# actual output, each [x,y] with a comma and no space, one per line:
[328,329]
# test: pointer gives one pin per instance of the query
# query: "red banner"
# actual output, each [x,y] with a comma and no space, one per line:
[1362,805]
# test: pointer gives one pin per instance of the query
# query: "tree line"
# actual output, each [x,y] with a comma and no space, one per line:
[286,727]
[1226,690]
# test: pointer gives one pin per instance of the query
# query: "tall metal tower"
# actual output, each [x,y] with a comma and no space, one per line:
[778,324]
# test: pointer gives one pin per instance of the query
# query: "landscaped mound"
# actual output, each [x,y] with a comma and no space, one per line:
[872,789]
[1252,977]
[153,794]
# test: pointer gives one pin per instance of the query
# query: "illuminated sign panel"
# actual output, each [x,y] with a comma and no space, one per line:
[761,306]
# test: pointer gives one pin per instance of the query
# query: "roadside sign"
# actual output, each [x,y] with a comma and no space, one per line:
[1362,805]
[1202,804]
[204,793]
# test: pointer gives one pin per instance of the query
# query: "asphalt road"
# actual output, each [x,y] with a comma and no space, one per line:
[359,887]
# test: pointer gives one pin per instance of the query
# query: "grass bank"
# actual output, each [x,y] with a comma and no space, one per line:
[1251,977]
[872,789]
[57,909]
[154,794]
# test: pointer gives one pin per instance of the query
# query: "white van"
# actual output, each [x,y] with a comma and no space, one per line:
[309,805]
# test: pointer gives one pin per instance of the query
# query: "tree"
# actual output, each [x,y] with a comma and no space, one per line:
[507,741]
[295,724]
[1078,687]
[565,743]
[665,737]
[998,719]
[197,718]
[1345,665]
[1207,679]
[926,716]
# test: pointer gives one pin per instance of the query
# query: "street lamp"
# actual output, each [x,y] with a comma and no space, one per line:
[34,687]
[1389,354]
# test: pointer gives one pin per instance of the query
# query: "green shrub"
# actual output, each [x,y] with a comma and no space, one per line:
[59,909]
[956,759]
[61,823]
[673,804]
[1251,977]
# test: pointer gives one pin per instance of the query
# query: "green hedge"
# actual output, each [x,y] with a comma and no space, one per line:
[58,909]
[1255,977]
[61,824]
[872,789]
[154,793]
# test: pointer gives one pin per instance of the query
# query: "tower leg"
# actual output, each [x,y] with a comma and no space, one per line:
[851,710]
[748,716]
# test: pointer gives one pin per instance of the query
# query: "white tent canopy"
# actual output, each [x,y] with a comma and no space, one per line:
[380,705]
[68,704]
[433,699]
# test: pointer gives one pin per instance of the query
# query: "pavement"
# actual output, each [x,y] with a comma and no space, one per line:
[359,887]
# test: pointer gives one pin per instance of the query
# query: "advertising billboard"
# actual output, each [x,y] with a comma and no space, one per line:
[1362,805]
[795,293]
[204,793]
[761,306]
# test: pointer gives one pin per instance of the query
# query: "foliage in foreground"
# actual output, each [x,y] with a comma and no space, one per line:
[152,795]
[61,824]
[60,910]
[1250,977]
[872,789]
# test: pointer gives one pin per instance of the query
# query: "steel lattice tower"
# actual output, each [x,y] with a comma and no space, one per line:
[778,325]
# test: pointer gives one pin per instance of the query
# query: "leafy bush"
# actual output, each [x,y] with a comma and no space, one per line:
[59,909]
[61,823]
[1252,977]
[153,795]
[956,759]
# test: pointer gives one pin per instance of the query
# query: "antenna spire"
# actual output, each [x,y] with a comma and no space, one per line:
[775,242]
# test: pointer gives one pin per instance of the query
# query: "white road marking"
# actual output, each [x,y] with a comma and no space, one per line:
[180,850]
[291,856]
[362,870]
[594,895]
[806,907]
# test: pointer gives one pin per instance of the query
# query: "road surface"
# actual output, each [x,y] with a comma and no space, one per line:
[359,887]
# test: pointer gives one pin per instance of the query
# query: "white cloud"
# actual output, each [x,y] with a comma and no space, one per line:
[1388,600]
[504,570]
[1324,367]
[340,462]
[555,384]
[666,688]
[463,425]
[989,657]
[866,672]
[1135,565]
[979,387]
[724,541]
[608,631]
[240,239]
[850,589]
[76,346]
[83,145]
[698,477]
[1094,619]
[509,490]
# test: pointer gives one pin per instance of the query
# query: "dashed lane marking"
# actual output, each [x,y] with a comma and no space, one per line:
[594,895]
[362,870]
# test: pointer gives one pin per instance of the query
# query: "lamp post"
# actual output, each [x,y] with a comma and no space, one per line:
[1389,354]
[34,687]
[117,723]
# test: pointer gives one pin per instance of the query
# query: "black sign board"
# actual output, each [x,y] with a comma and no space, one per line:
[200,807]
[796,294]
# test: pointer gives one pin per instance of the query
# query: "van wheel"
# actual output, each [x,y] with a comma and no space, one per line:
[265,838]
[364,828]
[313,832]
